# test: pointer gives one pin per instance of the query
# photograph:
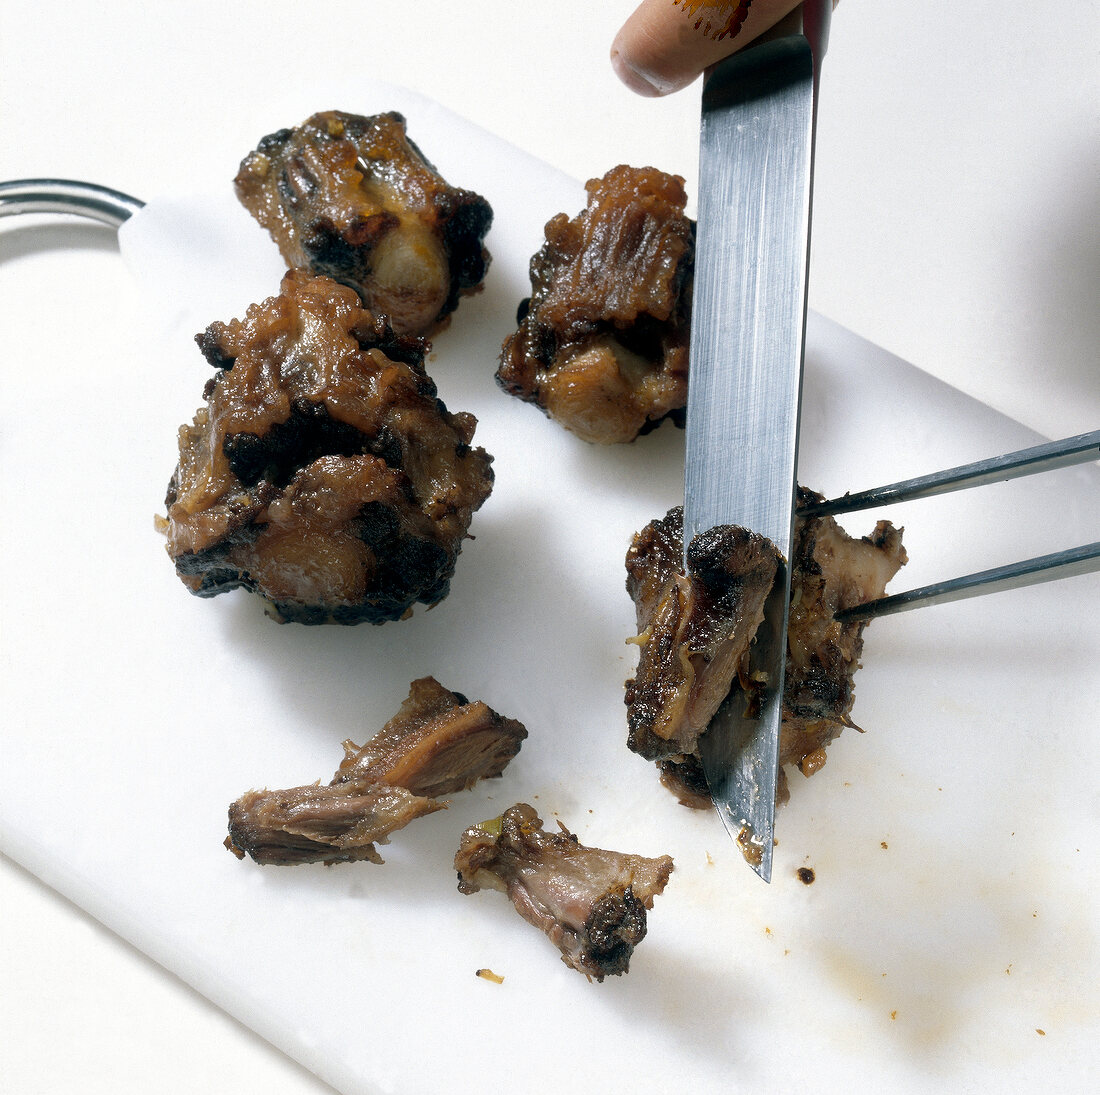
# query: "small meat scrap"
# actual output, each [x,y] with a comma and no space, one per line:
[602,343]
[589,902]
[695,630]
[438,743]
[323,473]
[353,197]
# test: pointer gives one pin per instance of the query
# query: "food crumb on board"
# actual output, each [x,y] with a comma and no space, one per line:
[893,1014]
[883,845]
[1042,1033]
[488,975]
[806,875]
[710,860]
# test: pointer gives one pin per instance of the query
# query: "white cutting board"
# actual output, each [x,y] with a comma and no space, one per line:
[950,939]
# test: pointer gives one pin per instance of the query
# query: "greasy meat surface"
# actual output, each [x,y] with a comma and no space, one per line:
[323,473]
[353,198]
[830,571]
[694,631]
[602,346]
[438,743]
[589,902]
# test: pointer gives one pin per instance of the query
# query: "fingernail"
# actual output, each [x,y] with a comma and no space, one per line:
[639,81]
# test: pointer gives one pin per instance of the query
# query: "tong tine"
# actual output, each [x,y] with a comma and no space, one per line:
[1082,448]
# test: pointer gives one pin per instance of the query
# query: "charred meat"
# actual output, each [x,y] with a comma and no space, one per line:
[590,903]
[695,630]
[436,744]
[323,473]
[602,342]
[353,198]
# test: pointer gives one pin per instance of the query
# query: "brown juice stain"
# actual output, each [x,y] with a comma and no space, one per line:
[717,19]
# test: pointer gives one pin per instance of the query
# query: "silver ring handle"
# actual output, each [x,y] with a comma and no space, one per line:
[98,203]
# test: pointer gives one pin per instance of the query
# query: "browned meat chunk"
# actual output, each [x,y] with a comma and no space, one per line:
[436,744]
[602,345]
[589,902]
[324,473]
[695,632]
[355,199]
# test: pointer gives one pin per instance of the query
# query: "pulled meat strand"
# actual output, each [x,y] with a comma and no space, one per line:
[323,473]
[334,824]
[590,903]
[602,342]
[696,628]
[354,198]
[438,743]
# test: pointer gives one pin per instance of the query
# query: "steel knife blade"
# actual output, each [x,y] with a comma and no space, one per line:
[747,341]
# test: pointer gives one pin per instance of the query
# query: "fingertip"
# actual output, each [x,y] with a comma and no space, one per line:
[639,81]
[656,52]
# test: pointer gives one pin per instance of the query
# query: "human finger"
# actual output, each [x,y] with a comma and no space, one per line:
[666,44]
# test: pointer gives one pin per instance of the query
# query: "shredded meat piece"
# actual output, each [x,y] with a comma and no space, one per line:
[590,903]
[314,824]
[324,473]
[602,342]
[831,571]
[696,630]
[353,198]
[438,743]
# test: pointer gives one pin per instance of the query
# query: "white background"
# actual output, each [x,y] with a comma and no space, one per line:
[955,224]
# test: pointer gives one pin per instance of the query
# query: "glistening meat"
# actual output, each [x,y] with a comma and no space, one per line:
[601,345]
[323,473]
[354,198]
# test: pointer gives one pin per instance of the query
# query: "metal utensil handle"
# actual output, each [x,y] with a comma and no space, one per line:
[1044,568]
[1079,449]
[98,203]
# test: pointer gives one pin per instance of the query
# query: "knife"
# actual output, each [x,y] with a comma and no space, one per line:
[747,340]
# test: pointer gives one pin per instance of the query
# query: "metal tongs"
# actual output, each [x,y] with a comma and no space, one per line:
[1082,448]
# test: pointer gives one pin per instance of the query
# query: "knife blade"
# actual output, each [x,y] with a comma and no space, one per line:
[747,340]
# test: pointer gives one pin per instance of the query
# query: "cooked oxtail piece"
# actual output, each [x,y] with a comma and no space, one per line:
[323,473]
[438,743]
[602,343]
[695,630]
[353,198]
[590,903]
